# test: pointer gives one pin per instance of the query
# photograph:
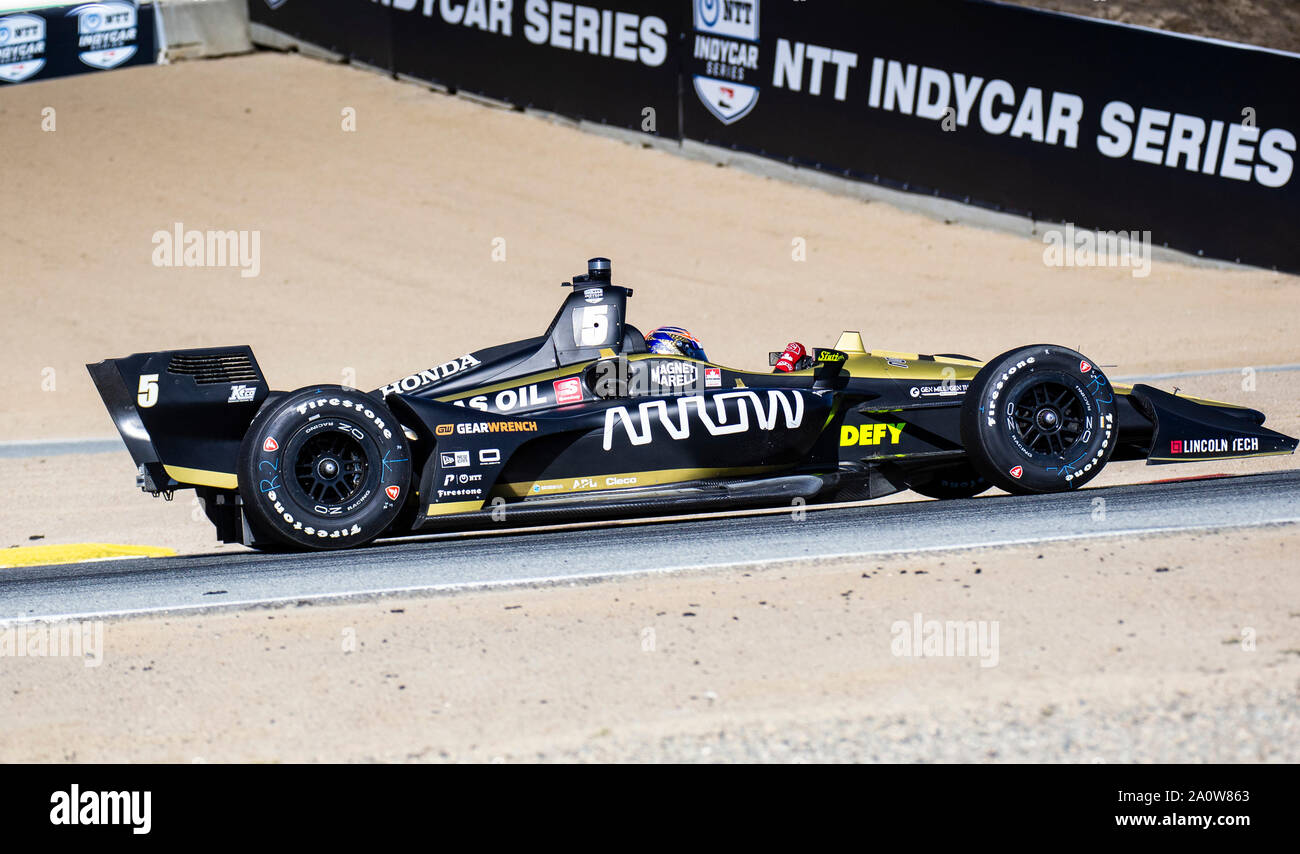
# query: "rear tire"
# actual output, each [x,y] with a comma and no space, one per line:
[1039,419]
[324,468]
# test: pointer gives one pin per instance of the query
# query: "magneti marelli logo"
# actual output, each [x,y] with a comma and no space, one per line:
[725,56]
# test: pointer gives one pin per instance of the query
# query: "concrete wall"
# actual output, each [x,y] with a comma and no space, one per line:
[193,29]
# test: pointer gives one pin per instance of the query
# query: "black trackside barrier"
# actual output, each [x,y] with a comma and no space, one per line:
[75,38]
[1054,117]
[608,61]
[360,30]
[1059,118]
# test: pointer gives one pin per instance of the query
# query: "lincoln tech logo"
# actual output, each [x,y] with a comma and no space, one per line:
[726,56]
[106,33]
[22,47]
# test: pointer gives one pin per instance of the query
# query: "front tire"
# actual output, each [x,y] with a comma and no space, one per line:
[1039,419]
[324,467]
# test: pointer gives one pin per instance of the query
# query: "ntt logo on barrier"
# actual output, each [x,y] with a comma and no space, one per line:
[22,47]
[733,18]
[106,33]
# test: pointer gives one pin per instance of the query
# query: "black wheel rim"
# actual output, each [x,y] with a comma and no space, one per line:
[331,467]
[1048,417]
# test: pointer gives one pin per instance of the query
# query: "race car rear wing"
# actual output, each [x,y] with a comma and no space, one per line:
[182,413]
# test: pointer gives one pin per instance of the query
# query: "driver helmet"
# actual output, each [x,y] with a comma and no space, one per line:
[674,341]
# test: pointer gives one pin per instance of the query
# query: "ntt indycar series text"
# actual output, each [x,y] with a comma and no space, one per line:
[565,26]
[1007,108]
[1234,151]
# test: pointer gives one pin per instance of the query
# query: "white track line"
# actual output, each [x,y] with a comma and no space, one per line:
[26,448]
[342,597]
[1215,372]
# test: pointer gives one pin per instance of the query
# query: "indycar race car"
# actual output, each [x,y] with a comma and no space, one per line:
[584,422]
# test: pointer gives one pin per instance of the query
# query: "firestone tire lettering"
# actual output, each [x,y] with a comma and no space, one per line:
[285,513]
[994,445]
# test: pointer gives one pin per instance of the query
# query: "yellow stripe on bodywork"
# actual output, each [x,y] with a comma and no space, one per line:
[202,477]
[600,482]
[531,379]
[876,364]
[573,370]
[453,507]
[76,553]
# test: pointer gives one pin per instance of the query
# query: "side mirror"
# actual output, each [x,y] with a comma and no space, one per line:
[830,363]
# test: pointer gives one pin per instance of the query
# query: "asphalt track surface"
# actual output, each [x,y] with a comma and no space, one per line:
[451,563]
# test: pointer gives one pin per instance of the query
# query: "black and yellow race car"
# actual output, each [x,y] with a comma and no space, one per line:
[583,422]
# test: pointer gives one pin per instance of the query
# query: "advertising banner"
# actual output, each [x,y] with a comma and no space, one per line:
[608,61]
[1055,117]
[1059,118]
[54,41]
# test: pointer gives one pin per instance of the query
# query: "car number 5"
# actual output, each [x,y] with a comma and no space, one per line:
[595,326]
[148,394]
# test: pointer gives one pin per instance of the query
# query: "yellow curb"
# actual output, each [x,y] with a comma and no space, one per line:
[76,553]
